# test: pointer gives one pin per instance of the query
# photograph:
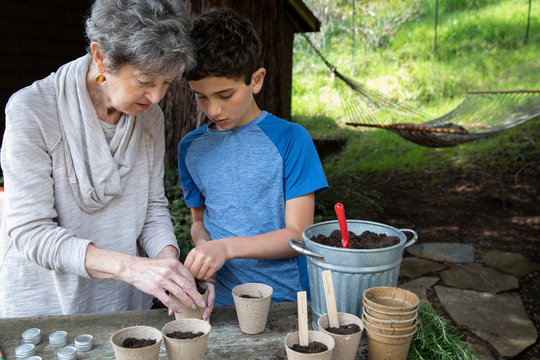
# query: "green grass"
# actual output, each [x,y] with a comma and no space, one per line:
[480,47]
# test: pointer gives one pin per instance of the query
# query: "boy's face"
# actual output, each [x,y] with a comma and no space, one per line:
[228,102]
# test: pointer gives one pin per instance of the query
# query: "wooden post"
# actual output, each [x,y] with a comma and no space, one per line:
[528,24]
[436,21]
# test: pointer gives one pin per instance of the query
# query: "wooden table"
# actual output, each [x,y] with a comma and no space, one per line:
[226,341]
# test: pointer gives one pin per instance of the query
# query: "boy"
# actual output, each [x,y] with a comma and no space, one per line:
[248,176]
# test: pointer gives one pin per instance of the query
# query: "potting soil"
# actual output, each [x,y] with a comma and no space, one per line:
[200,289]
[134,343]
[344,329]
[366,240]
[246,296]
[184,335]
[312,348]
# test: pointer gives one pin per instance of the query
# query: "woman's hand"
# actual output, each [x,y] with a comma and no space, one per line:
[157,276]
[152,276]
[204,260]
[209,300]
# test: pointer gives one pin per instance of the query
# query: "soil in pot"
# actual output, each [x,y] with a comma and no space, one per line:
[366,240]
[245,296]
[312,348]
[344,329]
[134,343]
[201,289]
[185,335]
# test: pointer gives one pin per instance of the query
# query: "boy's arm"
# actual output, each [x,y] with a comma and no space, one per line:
[208,257]
[198,231]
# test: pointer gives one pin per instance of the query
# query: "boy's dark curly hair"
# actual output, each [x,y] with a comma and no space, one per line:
[226,45]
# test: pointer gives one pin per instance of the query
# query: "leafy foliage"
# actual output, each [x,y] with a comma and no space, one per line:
[180,213]
[370,23]
[435,340]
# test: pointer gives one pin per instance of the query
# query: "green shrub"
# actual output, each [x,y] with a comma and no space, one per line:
[180,213]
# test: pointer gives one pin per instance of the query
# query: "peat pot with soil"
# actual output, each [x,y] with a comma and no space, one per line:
[346,329]
[136,343]
[252,304]
[188,312]
[308,344]
[186,338]
[372,259]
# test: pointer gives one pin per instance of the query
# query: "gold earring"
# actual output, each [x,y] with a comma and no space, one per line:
[100,79]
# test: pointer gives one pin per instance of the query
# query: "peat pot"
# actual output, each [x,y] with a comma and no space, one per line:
[353,270]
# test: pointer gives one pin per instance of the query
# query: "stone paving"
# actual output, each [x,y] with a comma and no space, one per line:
[475,293]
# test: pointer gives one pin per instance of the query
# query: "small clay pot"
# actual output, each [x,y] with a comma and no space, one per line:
[138,332]
[252,304]
[313,335]
[390,323]
[389,330]
[188,312]
[390,315]
[193,349]
[391,299]
[384,347]
[346,345]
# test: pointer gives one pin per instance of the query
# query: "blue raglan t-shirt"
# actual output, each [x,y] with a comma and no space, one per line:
[244,176]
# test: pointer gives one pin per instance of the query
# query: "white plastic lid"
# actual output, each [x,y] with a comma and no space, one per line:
[25,350]
[67,353]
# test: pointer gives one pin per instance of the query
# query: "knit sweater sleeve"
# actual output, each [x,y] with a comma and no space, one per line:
[29,139]
[157,231]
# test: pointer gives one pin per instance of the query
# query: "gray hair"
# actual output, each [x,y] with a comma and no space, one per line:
[152,35]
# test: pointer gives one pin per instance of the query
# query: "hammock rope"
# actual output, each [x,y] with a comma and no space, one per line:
[480,114]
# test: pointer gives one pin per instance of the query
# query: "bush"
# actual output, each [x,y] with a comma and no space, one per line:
[180,213]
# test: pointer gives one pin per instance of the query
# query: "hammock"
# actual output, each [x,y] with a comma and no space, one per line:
[482,113]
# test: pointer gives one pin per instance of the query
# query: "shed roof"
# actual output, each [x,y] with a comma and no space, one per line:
[304,18]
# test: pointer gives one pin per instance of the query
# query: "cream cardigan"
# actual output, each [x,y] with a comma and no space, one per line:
[111,195]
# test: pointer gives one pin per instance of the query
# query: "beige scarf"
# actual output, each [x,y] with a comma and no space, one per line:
[97,170]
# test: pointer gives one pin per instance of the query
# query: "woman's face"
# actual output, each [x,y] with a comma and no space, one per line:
[130,91]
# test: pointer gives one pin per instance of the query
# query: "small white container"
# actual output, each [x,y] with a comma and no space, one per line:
[58,339]
[84,342]
[31,336]
[24,351]
[67,353]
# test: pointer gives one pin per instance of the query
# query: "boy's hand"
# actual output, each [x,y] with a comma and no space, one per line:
[206,259]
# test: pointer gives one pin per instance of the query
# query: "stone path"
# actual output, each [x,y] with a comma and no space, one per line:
[476,294]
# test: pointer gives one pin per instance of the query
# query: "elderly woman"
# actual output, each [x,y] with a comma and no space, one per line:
[85,224]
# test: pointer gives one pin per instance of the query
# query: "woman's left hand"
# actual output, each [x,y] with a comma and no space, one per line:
[209,300]
[171,252]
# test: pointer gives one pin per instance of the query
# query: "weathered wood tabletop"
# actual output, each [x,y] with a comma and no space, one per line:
[226,341]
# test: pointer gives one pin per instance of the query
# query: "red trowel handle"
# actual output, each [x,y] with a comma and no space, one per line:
[342,220]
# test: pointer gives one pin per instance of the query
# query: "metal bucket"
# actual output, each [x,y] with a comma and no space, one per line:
[353,270]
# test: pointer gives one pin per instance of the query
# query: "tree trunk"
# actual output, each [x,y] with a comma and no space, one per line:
[179,105]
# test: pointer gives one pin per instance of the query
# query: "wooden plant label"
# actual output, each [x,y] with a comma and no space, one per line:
[331,307]
[303,338]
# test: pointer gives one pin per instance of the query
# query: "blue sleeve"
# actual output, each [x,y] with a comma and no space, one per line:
[302,169]
[192,195]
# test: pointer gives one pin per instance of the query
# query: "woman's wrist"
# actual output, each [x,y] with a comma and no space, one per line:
[168,252]
[105,264]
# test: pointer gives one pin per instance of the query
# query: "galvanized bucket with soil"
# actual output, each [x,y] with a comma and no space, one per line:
[353,270]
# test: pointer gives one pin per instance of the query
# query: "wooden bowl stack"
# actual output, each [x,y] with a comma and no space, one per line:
[390,317]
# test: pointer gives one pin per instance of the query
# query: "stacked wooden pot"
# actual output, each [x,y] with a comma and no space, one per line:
[390,318]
